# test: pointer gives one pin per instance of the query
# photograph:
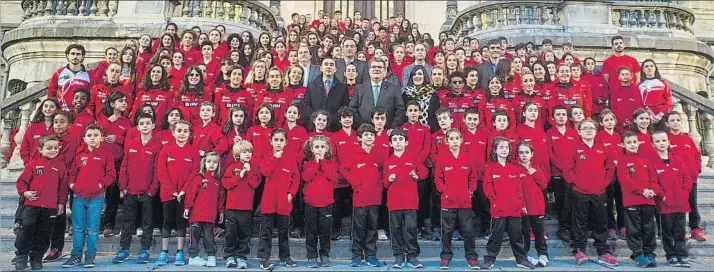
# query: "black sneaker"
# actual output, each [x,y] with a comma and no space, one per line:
[674,262]
[684,262]
[526,264]
[108,231]
[20,263]
[288,262]
[72,262]
[398,262]
[487,264]
[53,255]
[336,234]
[424,234]
[266,265]
[89,262]
[36,264]
[563,235]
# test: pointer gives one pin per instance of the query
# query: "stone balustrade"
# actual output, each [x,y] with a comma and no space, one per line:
[652,15]
[252,13]
[39,8]
[507,14]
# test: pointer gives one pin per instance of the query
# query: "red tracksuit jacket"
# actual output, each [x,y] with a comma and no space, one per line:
[29,144]
[589,169]
[81,121]
[161,100]
[205,198]
[175,168]
[228,97]
[599,90]
[92,171]
[675,183]
[567,95]
[538,139]
[456,179]
[512,87]
[345,145]
[623,103]
[509,135]
[298,92]
[533,186]
[522,98]
[402,194]
[487,107]
[635,173]
[99,93]
[119,129]
[586,90]
[503,186]
[48,178]
[257,87]
[560,148]
[259,136]
[138,168]
[545,90]
[457,104]
[646,149]
[320,178]
[68,145]
[683,146]
[282,176]
[476,144]
[612,143]
[363,173]
[419,140]
[656,95]
[297,136]
[381,145]
[190,105]
[209,138]
[280,100]
[476,93]
[240,191]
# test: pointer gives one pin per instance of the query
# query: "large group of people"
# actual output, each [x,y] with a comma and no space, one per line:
[191,134]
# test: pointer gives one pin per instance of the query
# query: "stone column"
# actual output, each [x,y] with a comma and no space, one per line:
[368,10]
[588,17]
[452,9]
[153,14]
[708,144]
[400,7]
[25,111]
[328,7]
[7,123]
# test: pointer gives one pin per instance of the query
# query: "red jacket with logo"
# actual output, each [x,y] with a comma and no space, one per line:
[227,98]
[48,178]
[190,105]
[419,140]
[538,139]
[345,145]
[545,90]
[320,178]
[161,100]
[684,147]
[599,90]
[363,172]
[118,128]
[209,138]
[675,183]
[99,93]
[256,88]
[456,178]
[29,144]
[588,169]
[635,173]
[240,190]
[624,100]
[487,107]
[522,98]
[612,143]
[476,144]
[457,104]
[205,198]
[533,186]
[68,145]
[176,167]
[656,95]
[92,171]
[280,100]
[560,148]
[138,168]
[282,176]
[81,121]
[402,193]
[259,136]
[503,186]
[296,138]
[568,95]
[64,82]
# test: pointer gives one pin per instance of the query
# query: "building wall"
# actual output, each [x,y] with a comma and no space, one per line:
[10,12]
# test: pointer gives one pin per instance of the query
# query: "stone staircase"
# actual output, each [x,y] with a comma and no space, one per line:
[341,248]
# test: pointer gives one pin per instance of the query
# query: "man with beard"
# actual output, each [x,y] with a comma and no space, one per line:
[619,59]
[70,77]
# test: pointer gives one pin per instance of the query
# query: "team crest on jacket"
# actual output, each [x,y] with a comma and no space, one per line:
[38,170]
[84,161]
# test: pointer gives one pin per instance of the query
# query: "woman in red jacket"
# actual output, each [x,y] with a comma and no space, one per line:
[99,92]
[529,95]
[282,179]
[495,101]
[276,96]
[256,79]
[40,125]
[503,186]
[655,91]
[535,181]
[293,84]
[319,172]
[543,88]
[191,95]
[233,94]
[155,91]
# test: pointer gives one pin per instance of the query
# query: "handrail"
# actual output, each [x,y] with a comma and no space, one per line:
[652,15]
[692,98]
[253,13]
[496,14]
[39,8]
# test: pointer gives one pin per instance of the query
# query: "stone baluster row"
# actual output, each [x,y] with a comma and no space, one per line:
[500,16]
[39,8]
[229,10]
[8,120]
[633,17]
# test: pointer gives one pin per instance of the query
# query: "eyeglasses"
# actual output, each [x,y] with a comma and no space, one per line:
[194,75]
[588,129]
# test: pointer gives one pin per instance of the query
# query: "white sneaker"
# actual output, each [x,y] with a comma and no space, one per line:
[532,260]
[197,261]
[139,232]
[211,262]
[382,235]
[543,260]
[242,263]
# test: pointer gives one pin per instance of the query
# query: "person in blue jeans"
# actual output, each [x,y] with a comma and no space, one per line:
[91,172]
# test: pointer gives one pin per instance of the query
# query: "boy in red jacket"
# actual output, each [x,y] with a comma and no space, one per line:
[589,170]
[204,201]
[639,188]
[363,172]
[282,179]
[560,138]
[138,184]
[344,141]
[177,165]
[92,171]
[456,177]
[439,145]
[43,183]
[475,143]
[420,147]
[675,182]
[319,172]
[682,145]
[207,136]
[381,148]
[402,171]
[240,180]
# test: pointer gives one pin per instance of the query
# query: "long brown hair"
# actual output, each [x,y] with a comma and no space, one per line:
[185,85]
[163,82]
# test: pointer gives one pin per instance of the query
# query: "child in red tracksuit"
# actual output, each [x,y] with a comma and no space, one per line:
[363,172]
[535,181]
[475,144]
[503,185]
[138,184]
[204,200]
[259,133]
[560,138]
[642,128]
[378,117]
[675,182]
[589,170]
[639,188]
[91,172]
[233,130]
[40,125]
[43,183]
[420,147]
[456,177]
[240,180]
[207,135]
[319,172]
[500,123]
[625,98]
[282,179]
[613,146]
[177,165]
[297,136]
[402,171]
[682,145]
[345,141]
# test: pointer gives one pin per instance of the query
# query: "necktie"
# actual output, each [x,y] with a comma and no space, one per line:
[375,93]
[327,87]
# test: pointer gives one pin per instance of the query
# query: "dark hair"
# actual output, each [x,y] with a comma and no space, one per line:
[488,92]
[228,125]
[143,116]
[627,134]
[163,82]
[427,76]
[558,107]
[546,41]
[639,112]
[614,38]
[140,110]
[642,71]
[185,88]
[75,46]
[131,64]
[498,113]
[345,111]
[165,124]
[494,145]
[398,132]
[113,96]
[68,115]
[271,123]
[308,147]
[377,110]
[278,131]
[38,117]
[546,76]
[441,111]
[365,128]
[94,127]
[45,139]
[412,103]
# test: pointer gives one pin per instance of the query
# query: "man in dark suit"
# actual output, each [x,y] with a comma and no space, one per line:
[349,53]
[386,95]
[310,71]
[488,68]
[325,93]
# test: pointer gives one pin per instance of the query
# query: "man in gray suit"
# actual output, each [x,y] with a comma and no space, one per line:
[386,95]
[349,53]
[310,71]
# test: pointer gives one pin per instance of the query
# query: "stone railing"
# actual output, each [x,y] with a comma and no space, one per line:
[652,15]
[506,14]
[39,8]
[698,115]
[605,17]
[252,13]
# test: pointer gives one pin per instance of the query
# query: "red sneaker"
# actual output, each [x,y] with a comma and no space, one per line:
[607,259]
[698,234]
[580,258]
[623,233]
[612,234]
[532,236]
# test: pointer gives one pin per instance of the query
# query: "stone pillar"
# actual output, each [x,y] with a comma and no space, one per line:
[143,12]
[275,6]
[452,9]
[25,111]
[400,7]
[708,144]
[368,9]
[588,17]
[328,7]
[7,126]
